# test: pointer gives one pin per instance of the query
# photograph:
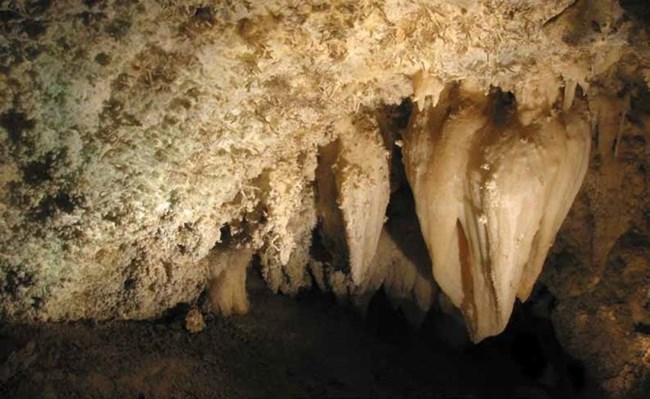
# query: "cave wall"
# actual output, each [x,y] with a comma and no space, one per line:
[140,138]
[599,270]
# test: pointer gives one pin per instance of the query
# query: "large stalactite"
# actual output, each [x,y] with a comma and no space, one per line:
[491,194]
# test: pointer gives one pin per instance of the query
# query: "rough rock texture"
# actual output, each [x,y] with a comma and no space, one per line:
[138,136]
[599,270]
[284,348]
[227,280]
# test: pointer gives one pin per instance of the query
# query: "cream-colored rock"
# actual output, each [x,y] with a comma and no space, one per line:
[227,280]
[289,213]
[491,195]
[332,225]
[363,189]
[194,321]
[133,133]
[130,134]
[353,191]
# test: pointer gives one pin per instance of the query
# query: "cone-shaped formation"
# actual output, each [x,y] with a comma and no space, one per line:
[354,189]
[364,189]
[491,195]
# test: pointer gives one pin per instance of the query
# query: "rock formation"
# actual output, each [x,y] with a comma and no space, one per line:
[141,139]
[491,194]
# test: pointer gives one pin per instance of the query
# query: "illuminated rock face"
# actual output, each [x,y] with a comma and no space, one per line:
[491,195]
[133,133]
[227,280]
[360,176]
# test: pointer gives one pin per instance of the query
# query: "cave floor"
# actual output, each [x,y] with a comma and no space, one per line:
[305,347]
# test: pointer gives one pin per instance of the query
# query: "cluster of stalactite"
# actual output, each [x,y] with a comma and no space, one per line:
[492,186]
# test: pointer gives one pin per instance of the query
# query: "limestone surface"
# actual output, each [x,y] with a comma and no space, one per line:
[141,138]
[491,194]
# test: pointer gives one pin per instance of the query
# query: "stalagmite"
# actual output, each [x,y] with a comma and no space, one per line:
[227,280]
[491,195]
